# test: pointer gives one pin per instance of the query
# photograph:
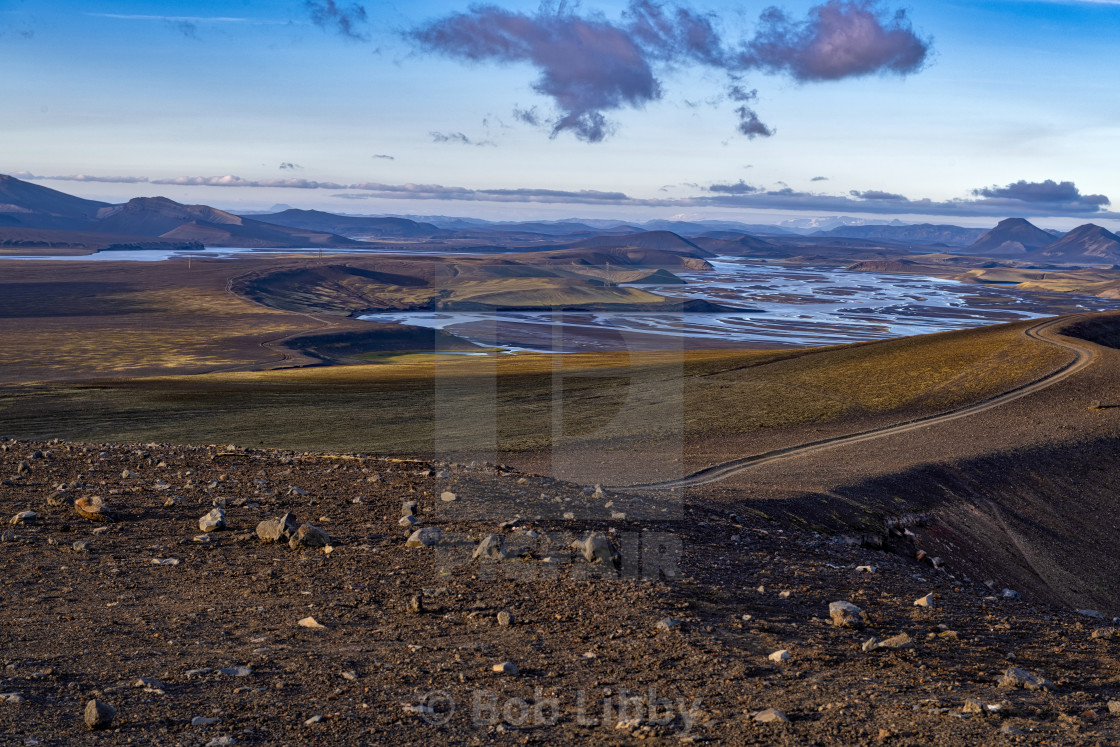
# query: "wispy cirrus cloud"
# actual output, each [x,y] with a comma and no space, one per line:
[589,65]
[346,20]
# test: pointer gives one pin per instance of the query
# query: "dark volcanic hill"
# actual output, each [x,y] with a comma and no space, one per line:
[662,241]
[31,206]
[1087,243]
[1013,236]
[159,216]
[926,234]
[318,220]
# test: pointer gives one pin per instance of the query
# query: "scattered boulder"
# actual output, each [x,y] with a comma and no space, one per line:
[668,623]
[506,667]
[779,656]
[94,508]
[311,622]
[845,615]
[99,715]
[771,716]
[237,671]
[408,520]
[270,530]
[870,644]
[23,516]
[447,496]
[408,508]
[902,640]
[426,537]
[416,604]
[926,601]
[1009,594]
[308,536]
[492,547]
[1015,677]
[598,548]
[505,619]
[1091,613]
[1114,707]
[23,468]
[972,705]
[213,521]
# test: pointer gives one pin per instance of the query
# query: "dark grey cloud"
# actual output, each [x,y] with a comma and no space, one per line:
[875,194]
[738,188]
[1049,192]
[819,179]
[840,39]
[347,20]
[384,157]
[236,181]
[289,165]
[586,65]
[589,65]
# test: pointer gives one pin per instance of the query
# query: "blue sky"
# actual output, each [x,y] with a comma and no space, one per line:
[960,112]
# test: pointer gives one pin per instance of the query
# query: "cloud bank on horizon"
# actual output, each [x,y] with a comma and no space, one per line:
[589,65]
[1020,199]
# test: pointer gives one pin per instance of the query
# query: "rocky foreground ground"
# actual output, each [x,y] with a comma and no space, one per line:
[539,612]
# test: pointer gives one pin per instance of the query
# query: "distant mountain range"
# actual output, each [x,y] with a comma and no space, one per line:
[27,206]
[925,234]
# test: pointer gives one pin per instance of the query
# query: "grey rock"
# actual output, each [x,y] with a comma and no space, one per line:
[313,720]
[1015,677]
[845,615]
[213,521]
[270,530]
[408,520]
[668,623]
[870,644]
[492,547]
[448,497]
[221,742]
[1114,707]
[203,721]
[1009,594]
[80,546]
[416,604]
[926,601]
[99,715]
[23,468]
[779,656]
[426,537]
[505,619]
[902,640]
[309,536]
[598,548]
[23,516]
[771,716]
[289,524]
[974,706]
[237,671]
[506,667]
[408,508]
[1091,613]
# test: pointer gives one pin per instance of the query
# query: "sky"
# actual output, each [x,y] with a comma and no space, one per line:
[933,110]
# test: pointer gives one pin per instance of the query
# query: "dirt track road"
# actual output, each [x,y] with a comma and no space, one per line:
[1084,355]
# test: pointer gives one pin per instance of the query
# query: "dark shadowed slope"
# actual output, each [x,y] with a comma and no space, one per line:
[318,220]
[1087,243]
[1013,236]
[31,206]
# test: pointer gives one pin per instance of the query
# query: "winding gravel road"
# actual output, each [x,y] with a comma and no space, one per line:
[1084,355]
